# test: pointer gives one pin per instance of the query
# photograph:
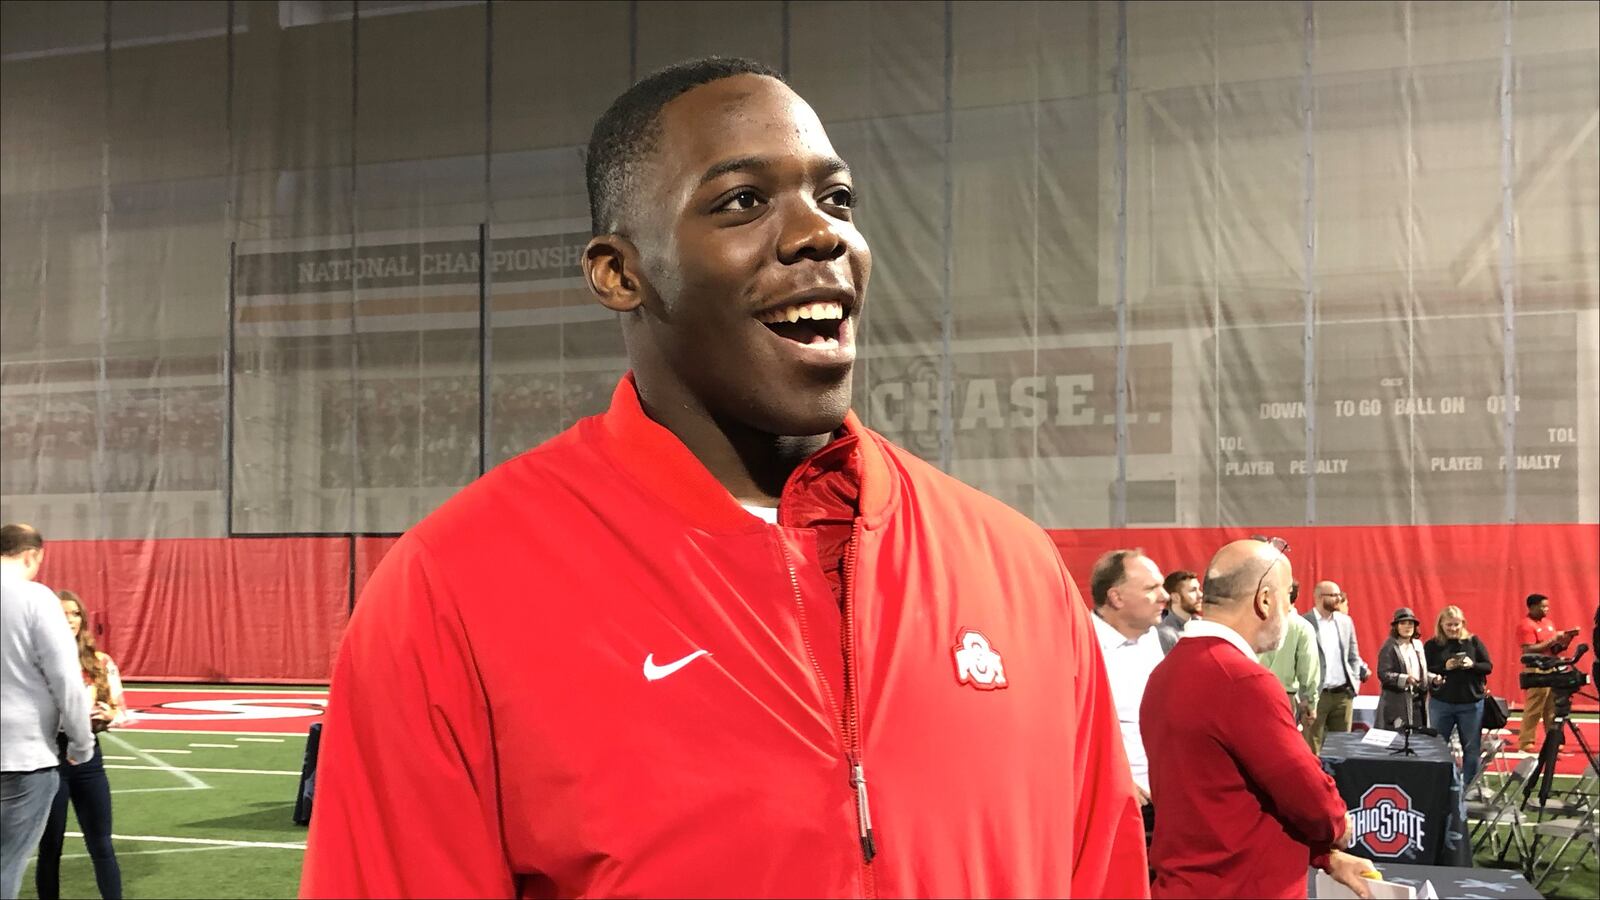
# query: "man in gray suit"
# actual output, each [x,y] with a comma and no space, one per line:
[1339,656]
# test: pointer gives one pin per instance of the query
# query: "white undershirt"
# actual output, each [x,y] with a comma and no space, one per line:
[768,514]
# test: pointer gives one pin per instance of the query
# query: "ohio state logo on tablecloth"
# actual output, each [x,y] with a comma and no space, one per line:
[1385,822]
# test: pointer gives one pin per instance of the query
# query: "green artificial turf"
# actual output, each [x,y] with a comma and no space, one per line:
[245,804]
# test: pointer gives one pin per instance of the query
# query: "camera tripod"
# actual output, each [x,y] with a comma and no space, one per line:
[1544,771]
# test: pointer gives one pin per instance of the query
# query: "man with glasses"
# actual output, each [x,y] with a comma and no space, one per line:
[1339,656]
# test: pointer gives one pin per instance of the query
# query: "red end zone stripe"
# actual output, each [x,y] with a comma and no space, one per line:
[277,712]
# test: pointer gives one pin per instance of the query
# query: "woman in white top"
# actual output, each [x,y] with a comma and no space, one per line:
[1403,672]
[85,784]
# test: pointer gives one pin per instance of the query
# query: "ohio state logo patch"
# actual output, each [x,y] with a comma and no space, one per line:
[977,662]
[1385,823]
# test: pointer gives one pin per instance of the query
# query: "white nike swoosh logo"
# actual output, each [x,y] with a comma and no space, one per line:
[653,672]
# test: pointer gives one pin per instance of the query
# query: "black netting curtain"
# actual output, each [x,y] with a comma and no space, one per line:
[311,267]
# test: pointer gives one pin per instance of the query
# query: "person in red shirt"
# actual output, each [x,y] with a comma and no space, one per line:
[723,640]
[1537,634]
[1243,806]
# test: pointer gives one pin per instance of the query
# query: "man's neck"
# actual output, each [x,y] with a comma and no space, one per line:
[1243,625]
[753,465]
[13,569]
[1182,617]
[1326,613]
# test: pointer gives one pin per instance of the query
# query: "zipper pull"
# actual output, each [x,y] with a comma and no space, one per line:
[858,779]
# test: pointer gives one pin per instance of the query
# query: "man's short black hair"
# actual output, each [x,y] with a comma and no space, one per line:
[1108,572]
[627,132]
[1174,579]
[1536,599]
[17,539]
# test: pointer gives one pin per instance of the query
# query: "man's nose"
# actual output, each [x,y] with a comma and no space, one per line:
[809,233]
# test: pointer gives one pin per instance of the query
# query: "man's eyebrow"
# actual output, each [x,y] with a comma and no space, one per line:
[826,167]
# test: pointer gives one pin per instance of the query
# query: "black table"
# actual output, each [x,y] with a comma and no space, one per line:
[1453,881]
[1407,809]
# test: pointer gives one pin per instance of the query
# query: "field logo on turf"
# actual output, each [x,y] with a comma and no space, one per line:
[231,710]
[1385,822]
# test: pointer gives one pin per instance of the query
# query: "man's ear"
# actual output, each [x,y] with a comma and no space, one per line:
[1263,604]
[611,269]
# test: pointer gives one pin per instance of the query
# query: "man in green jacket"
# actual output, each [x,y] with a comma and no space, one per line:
[1297,666]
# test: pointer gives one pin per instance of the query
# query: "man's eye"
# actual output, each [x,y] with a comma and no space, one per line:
[841,197]
[744,200]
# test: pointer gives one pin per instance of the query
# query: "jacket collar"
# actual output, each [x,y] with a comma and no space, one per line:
[852,469]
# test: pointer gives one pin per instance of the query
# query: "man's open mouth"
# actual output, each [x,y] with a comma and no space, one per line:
[813,324]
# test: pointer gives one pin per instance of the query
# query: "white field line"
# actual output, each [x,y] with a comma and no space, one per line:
[118,758]
[261,740]
[122,853]
[277,734]
[150,790]
[156,761]
[218,746]
[168,751]
[205,842]
[217,771]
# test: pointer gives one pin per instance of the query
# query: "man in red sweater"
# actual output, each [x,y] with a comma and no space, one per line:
[1242,805]
[723,640]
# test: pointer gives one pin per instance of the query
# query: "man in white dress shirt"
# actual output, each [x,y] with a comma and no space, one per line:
[1128,599]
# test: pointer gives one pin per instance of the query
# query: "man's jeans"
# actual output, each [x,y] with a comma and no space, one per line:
[25,799]
[1468,719]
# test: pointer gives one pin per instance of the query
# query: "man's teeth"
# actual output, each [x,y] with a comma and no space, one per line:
[823,310]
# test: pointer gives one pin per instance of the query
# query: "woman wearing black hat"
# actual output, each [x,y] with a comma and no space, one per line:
[1403,672]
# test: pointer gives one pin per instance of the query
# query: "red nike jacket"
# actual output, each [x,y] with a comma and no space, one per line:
[592,673]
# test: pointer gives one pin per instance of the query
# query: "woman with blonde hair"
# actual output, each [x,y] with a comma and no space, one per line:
[85,784]
[1459,656]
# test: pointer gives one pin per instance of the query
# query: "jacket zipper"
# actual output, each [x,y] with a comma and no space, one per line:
[847,713]
[852,704]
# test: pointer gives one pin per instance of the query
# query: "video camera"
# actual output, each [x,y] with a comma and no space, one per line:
[1560,673]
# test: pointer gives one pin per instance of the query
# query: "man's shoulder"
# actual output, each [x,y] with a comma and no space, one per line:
[1205,667]
[951,495]
[1207,654]
[30,593]
[561,467]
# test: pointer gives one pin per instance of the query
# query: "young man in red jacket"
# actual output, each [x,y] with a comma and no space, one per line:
[1242,806]
[723,640]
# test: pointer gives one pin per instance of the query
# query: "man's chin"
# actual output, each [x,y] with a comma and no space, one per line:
[804,413]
